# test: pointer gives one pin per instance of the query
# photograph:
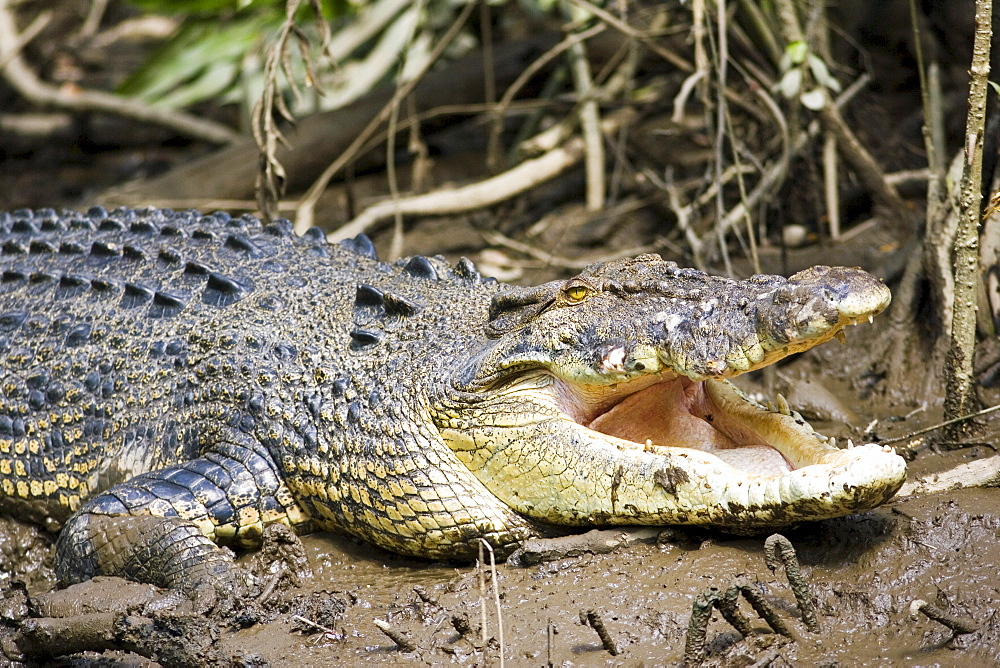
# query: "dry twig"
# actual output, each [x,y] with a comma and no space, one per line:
[500,109]
[481,194]
[304,214]
[939,425]
[590,119]
[270,181]
[628,30]
[483,543]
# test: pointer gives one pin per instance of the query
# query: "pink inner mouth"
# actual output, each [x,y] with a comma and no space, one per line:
[677,413]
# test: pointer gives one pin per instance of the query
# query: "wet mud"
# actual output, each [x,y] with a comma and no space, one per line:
[864,572]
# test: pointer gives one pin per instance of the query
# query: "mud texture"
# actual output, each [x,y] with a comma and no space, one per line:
[863,572]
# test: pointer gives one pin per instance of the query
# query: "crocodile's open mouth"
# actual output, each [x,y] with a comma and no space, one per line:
[625,432]
[664,449]
[712,416]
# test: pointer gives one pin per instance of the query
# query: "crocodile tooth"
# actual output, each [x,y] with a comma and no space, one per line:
[649,445]
[782,404]
[841,336]
[871,318]
[832,441]
[850,444]
[770,407]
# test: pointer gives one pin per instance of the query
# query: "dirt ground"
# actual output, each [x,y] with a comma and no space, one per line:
[864,572]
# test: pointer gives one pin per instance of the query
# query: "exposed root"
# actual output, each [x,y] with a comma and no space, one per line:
[697,632]
[728,605]
[593,619]
[776,548]
[763,608]
[959,625]
[403,642]
[463,625]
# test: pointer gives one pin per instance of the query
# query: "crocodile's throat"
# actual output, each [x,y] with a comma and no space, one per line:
[702,415]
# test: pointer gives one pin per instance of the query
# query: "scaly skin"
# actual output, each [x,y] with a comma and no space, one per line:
[172,381]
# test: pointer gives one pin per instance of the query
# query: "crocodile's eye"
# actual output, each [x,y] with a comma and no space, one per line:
[577,293]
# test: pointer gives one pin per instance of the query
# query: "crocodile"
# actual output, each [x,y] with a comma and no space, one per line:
[173,383]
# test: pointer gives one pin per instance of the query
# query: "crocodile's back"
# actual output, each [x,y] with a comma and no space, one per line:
[122,335]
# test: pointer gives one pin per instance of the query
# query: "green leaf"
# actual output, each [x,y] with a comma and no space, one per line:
[194,57]
[212,81]
[190,7]
[797,52]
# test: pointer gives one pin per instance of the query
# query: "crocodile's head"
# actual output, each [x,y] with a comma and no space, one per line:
[603,400]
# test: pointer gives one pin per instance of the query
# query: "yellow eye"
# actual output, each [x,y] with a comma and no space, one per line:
[577,293]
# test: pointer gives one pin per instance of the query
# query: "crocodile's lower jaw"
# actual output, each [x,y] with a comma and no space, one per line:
[666,451]
[755,445]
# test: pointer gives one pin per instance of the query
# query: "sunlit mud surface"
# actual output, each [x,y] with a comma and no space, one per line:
[864,571]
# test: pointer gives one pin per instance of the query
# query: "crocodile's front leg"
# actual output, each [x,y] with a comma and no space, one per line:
[162,527]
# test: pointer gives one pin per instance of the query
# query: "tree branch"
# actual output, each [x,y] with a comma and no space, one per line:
[959,396]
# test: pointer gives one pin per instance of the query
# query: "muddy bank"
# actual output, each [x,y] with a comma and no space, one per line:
[864,572]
